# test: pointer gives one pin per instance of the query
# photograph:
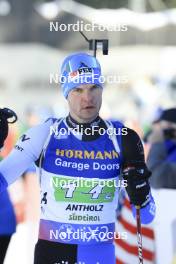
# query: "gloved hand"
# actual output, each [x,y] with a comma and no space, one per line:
[138,187]
[7,116]
[3,130]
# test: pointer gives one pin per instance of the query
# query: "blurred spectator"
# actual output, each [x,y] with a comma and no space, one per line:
[7,224]
[162,155]
[7,215]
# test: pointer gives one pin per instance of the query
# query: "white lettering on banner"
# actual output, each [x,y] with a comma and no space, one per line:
[74,165]
[85,166]
[98,166]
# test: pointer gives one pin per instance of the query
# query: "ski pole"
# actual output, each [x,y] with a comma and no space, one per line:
[139,234]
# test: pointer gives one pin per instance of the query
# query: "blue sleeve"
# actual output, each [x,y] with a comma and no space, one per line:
[160,161]
[147,213]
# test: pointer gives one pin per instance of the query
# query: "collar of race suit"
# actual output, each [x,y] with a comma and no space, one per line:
[82,127]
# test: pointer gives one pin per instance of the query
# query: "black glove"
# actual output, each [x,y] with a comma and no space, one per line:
[6,116]
[138,187]
[3,130]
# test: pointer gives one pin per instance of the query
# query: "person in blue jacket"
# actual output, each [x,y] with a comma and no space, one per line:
[162,155]
[79,160]
[7,214]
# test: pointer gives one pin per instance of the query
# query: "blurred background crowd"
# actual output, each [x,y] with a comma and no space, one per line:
[142,57]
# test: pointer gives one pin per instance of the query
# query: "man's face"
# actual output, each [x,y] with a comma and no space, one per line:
[166,124]
[85,102]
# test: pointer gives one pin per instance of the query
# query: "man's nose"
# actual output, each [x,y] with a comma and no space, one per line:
[87,96]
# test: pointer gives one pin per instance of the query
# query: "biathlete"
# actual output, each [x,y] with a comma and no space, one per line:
[78,202]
